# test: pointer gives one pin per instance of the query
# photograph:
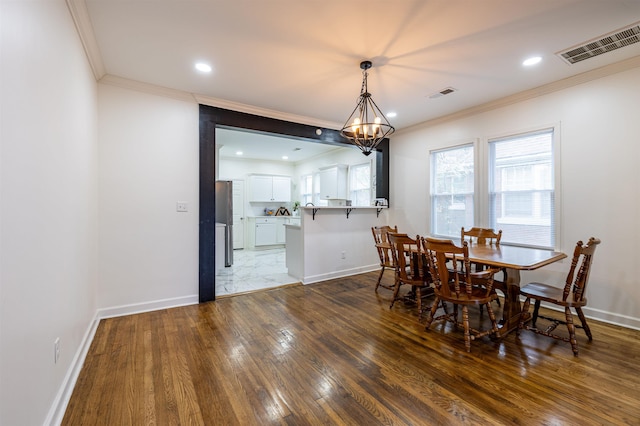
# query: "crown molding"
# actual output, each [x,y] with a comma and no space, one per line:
[264,112]
[546,89]
[152,89]
[80,16]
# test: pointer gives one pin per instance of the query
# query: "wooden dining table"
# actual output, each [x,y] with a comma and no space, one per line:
[512,260]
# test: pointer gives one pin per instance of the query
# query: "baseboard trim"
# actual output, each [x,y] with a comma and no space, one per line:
[612,318]
[339,274]
[59,406]
[138,308]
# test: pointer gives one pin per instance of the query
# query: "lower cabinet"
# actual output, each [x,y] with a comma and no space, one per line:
[270,231]
[265,232]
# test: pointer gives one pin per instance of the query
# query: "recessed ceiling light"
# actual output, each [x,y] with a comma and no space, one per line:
[239,152]
[284,157]
[531,61]
[391,114]
[201,66]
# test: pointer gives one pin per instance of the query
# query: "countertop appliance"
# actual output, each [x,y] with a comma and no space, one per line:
[224,214]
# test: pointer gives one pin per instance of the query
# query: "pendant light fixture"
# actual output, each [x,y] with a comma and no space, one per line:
[367,126]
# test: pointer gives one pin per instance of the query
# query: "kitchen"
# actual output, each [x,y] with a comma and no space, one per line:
[267,188]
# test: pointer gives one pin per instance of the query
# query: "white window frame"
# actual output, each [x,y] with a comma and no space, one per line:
[370,187]
[481,181]
[557,190]
[469,143]
[303,178]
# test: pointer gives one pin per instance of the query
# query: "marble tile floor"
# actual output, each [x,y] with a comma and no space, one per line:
[253,270]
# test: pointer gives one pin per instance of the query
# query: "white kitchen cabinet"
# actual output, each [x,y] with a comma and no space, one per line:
[268,188]
[333,182]
[281,188]
[280,230]
[266,231]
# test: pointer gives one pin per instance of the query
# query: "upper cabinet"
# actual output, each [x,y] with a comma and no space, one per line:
[268,188]
[333,182]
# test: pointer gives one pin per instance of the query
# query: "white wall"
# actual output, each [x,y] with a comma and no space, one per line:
[335,245]
[600,154]
[48,205]
[148,161]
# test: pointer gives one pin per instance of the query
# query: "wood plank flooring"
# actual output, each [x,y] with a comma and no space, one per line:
[333,353]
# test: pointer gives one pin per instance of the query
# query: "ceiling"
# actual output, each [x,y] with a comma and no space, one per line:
[300,58]
[259,146]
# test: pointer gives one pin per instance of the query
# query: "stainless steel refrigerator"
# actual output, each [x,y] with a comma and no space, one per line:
[224,214]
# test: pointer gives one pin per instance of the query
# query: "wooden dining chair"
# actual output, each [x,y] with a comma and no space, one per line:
[484,236]
[383,246]
[481,236]
[409,268]
[454,282]
[572,295]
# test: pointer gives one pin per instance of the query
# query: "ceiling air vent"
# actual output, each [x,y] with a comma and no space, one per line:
[443,92]
[603,44]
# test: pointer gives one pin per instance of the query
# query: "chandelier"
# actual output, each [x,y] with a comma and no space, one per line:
[367,126]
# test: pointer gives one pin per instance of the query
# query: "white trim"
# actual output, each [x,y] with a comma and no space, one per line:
[60,402]
[138,308]
[148,88]
[339,274]
[264,112]
[84,28]
[600,315]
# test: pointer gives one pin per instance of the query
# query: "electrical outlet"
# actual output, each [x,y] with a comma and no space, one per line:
[344,255]
[56,350]
[181,206]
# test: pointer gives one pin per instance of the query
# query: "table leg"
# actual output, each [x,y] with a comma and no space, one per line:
[511,310]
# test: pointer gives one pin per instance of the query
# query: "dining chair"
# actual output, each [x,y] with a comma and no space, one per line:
[481,236]
[409,268]
[454,282]
[572,295]
[383,246]
[484,236]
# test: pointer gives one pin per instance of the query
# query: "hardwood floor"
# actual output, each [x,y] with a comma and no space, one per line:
[334,353]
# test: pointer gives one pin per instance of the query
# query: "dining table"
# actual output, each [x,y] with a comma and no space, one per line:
[511,260]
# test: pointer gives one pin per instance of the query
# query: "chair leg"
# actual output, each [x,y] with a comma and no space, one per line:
[379,278]
[396,291]
[572,330]
[419,297]
[583,320]
[536,308]
[465,322]
[432,312]
[492,317]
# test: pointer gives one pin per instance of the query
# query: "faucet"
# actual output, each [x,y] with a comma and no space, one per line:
[309,204]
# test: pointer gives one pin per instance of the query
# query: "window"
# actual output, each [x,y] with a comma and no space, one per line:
[306,189]
[360,184]
[513,189]
[522,190]
[452,190]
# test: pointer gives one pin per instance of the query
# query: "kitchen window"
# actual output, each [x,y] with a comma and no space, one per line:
[360,184]
[306,189]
